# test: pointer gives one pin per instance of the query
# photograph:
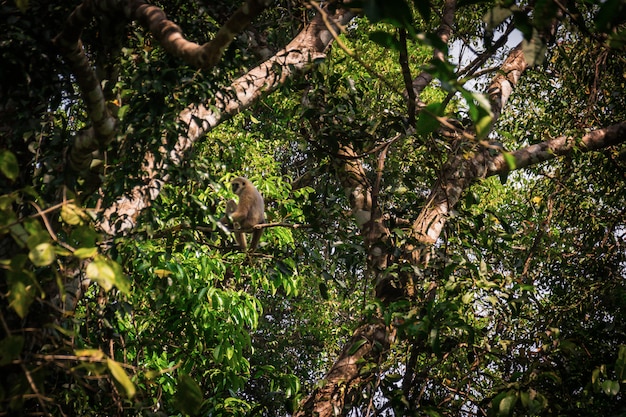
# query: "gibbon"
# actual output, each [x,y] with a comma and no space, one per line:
[246,214]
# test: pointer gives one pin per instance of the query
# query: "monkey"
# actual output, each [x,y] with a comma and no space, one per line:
[246,214]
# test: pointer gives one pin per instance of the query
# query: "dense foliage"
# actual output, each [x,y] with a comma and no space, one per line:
[518,306]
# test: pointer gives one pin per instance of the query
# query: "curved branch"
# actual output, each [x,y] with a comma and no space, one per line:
[170,35]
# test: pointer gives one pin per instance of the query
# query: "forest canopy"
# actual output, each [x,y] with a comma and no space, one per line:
[444,185]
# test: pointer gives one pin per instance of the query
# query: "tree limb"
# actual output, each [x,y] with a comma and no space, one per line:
[561,146]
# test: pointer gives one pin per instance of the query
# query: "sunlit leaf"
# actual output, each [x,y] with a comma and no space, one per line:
[162,273]
[21,297]
[610,387]
[507,404]
[468,297]
[84,253]
[121,377]
[72,214]
[42,255]
[94,354]
[107,273]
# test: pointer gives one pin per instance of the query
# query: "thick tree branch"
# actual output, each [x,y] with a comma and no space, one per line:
[561,146]
[347,376]
[170,35]
[505,81]
[104,124]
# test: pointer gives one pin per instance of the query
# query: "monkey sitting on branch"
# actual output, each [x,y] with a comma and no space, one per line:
[247,213]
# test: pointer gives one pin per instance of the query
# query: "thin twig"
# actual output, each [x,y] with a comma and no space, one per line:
[406,75]
[51,232]
[280,224]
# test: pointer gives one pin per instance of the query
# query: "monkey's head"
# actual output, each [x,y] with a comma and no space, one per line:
[238,184]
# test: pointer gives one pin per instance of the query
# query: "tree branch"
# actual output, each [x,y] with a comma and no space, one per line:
[561,146]
[170,35]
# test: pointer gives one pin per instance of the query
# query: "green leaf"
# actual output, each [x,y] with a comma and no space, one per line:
[121,377]
[10,349]
[92,354]
[36,237]
[121,112]
[356,346]
[467,298]
[42,255]
[497,15]
[427,121]
[510,160]
[525,398]
[107,274]
[84,253]
[480,112]
[72,214]
[188,397]
[610,387]
[217,353]
[507,404]
[19,234]
[83,236]
[503,404]
[20,298]
[384,39]
[534,49]
[8,165]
